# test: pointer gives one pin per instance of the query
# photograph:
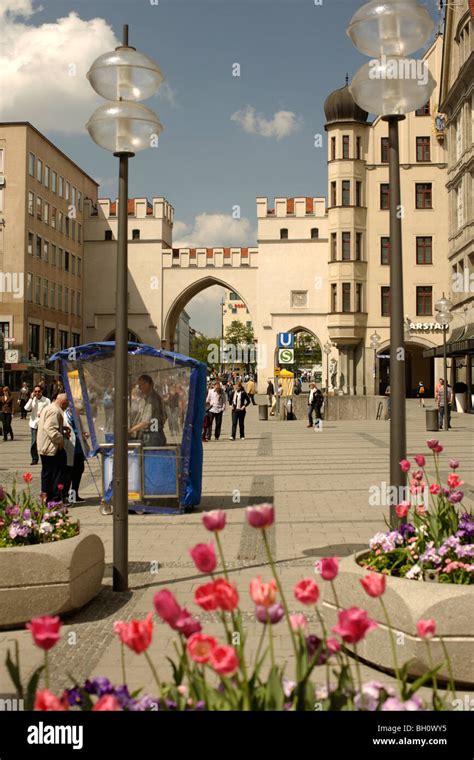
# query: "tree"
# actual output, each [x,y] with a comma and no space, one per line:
[239,334]
[307,350]
[205,350]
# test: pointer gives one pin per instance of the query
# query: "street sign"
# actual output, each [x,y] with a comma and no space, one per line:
[285,340]
[286,356]
[11,356]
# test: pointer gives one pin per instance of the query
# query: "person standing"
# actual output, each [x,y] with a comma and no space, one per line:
[216,399]
[250,389]
[36,403]
[149,419]
[441,405]
[311,404]
[271,396]
[51,448]
[6,400]
[240,403]
[108,404]
[75,460]
[24,396]
[421,393]
[389,402]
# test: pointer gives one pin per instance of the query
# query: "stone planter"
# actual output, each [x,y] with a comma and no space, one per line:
[408,601]
[49,579]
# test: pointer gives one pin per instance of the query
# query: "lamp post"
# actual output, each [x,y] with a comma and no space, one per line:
[444,317]
[327,348]
[123,127]
[375,344]
[391,85]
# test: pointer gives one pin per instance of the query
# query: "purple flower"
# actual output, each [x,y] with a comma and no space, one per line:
[26,514]
[407,529]
[74,696]
[394,704]
[200,706]
[313,643]
[371,694]
[147,702]
[13,511]
[170,704]
[272,614]
[455,497]
[99,686]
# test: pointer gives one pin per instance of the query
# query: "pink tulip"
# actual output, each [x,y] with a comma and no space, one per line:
[298,621]
[402,509]
[306,591]
[224,660]
[426,629]
[136,634]
[200,646]
[263,594]
[454,464]
[214,520]
[435,489]
[438,449]
[353,625]
[432,443]
[166,606]
[107,703]
[373,584]
[46,701]
[226,595]
[45,631]
[420,460]
[204,557]
[328,568]
[454,481]
[333,645]
[260,516]
[405,465]
[186,624]
[205,597]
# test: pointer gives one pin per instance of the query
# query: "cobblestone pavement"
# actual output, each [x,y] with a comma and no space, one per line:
[319,484]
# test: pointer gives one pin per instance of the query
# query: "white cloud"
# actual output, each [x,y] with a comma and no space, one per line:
[283,123]
[43,68]
[213,230]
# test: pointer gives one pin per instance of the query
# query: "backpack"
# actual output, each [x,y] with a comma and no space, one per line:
[421,389]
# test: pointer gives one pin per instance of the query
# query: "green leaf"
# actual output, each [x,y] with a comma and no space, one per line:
[14,670]
[274,695]
[32,688]
[413,688]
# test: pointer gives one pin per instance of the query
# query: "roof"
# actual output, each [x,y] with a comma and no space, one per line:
[341,106]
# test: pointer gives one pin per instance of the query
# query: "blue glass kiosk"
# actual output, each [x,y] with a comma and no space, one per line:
[164,467]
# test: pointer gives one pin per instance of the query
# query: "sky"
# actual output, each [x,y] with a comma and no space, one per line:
[227,139]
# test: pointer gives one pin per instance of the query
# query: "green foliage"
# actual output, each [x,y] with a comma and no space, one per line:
[238,334]
[201,349]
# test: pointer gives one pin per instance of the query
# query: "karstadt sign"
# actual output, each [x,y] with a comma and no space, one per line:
[428,326]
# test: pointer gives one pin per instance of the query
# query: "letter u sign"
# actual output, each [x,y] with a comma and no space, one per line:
[285,340]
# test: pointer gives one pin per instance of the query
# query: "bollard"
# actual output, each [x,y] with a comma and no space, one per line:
[432,419]
[263,411]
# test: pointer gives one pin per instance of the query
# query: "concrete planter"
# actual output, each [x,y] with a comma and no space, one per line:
[49,579]
[408,601]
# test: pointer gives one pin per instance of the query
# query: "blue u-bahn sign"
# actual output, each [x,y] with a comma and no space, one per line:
[285,340]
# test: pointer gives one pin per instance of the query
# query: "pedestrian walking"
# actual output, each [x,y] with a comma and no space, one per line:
[250,390]
[389,402]
[75,460]
[421,393]
[271,396]
[441,404]
[23,398]
[315,402]
[216,398]
[6,402]
[240,403]
[34,406]
[51,448]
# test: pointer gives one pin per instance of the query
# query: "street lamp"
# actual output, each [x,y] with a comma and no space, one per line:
[444,317]
[375,344]
[327,348]
[123,127]
[392,85]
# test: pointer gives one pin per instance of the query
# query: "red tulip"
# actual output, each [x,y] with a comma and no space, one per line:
[205,597]
[214,520]
[420,460]
[204,557]
[353,625]
[426,629]
[200,647]
[432,443]
[374,584]
[306,591]
[328,568]
[46,701]
[226,595]
[405,465]
[403,508]
[107,703]
[27,477]
[224,660]
[137,634]
[260,516]
[45,631]
[186,624]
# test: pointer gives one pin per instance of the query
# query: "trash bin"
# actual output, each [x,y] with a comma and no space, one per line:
[263,411]
[432,420]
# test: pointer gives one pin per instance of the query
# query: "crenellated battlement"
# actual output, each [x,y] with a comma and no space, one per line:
[140,208]
[295,207]
[210,257]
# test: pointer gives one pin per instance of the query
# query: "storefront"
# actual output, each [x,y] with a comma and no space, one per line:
[460,353]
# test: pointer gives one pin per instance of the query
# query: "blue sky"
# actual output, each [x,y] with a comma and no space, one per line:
[292,54]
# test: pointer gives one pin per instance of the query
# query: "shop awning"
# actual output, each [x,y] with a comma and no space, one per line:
[461,342]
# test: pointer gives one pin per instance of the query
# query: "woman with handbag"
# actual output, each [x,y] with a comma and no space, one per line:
[6,401]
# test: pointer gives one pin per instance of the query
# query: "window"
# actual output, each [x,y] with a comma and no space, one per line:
[60,258]
[299,298]
[45,250]
[358,297]
[424,300]
[73,264]
[79,267]
[424,250]
[384,196]
[52,294]
[314,233]
[76,338]
[248,324]
[79,204]
[29,287]
[31,203]
[333,246]
[385,298]
[346,192]
[79,233]
[423,149]
[68,222]
[333,194]
[31,164]
[108,235]
[346,246]
[61,187]
[358,198]
[135,234]
[234,311]
[53,255]
[66,261]
[63,339]
[333,148]
[424,110]
[385,251]
[284,234]
[60,297]
[73,229]
[46,176]
[39,170]
[39,244]
[358,246]
[78,305]
[73,196]
[48,340]
[33,340]
[39,208]
[60,221]
[358,147]
[45,292]
[31,242]
[73,302]
[346,297]
[37,289]
[54,181]
[345,146]
[333,297]
[53,217]
[424,195]
[46,212]
[68,191]
[459,205]
[384,150]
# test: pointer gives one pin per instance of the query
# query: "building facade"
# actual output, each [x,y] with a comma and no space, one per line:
[234,310]
[42,197]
